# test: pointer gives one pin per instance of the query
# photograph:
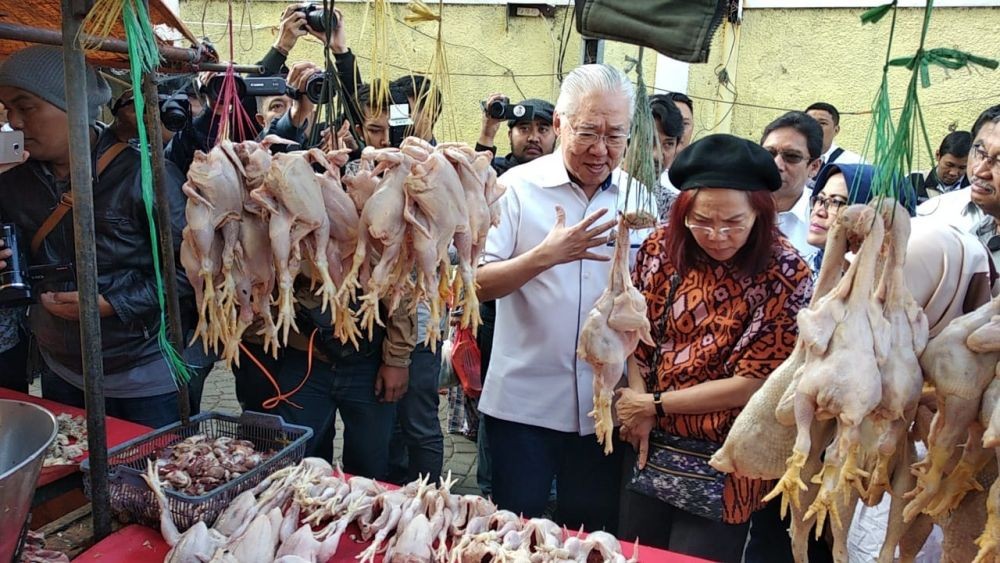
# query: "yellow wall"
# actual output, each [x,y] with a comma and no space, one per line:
[791,58]
[487,51]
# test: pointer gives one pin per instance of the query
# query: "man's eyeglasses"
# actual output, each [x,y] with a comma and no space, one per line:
[722,232]
[590,138]
[788,156]
[827,203]
[980,155]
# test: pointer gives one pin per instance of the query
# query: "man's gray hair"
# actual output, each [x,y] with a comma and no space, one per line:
[591,79]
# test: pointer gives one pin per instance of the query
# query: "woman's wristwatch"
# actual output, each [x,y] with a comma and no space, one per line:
[658,403]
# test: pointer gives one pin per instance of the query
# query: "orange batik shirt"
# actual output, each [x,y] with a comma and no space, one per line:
[720,323]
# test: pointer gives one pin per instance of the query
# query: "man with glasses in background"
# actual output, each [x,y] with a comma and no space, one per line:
[795,140]
[686,107]
[984,173]
[546,264]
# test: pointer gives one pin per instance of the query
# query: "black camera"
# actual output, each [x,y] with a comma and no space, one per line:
[316,17]
[400,124]
[502,109]
[175,111]
[314,90]
[246,86]
[20,283]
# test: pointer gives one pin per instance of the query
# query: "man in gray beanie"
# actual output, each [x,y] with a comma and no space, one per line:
[33,195]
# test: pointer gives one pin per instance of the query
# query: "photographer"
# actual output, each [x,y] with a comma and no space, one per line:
[137,383]
[531,135]
[125,127]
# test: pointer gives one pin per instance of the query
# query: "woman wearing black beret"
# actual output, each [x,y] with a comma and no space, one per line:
[723,287]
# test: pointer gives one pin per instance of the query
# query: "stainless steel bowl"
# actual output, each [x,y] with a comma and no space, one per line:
[26,431]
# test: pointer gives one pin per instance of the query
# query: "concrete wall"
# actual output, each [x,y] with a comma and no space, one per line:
[787,58]
[487,51]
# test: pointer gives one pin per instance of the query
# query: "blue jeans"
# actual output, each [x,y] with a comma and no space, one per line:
[417,446]
[348,387]
[155,411]
[526,458]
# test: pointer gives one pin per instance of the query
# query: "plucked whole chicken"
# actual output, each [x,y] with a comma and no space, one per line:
[611,333]
[846,342]
[261,225]
[301,513]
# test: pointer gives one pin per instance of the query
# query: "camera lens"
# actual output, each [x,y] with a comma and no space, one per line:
[316,19]
[496,109]
[175,112]
[314,89]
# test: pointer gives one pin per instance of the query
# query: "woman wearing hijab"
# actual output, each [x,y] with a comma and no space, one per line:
[722,287]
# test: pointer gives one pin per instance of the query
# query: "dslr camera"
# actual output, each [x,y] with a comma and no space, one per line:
[314,90]
[400,123]
[502,109]
[175,111]
[20,284]
[316,17]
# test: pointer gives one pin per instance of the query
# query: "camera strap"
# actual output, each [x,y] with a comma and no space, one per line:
[66,201]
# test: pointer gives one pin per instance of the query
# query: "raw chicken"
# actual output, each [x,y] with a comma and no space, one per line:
[439,218]
[299,228]
[610,334]
[902,379]
[760,442]
[479,181]
[960,366]
[846,339]
[215,203]
[989,417]
[381,233]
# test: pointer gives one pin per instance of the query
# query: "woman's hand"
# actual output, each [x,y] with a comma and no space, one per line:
[638,418]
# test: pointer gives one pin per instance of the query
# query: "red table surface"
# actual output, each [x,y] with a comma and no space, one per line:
[139,544]
[119,431]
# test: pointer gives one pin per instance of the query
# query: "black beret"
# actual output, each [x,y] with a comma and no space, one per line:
[542,111]
[725,161]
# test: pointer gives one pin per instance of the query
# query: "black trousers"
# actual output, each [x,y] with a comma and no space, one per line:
[657,524]
[770,542]
[525,460]
[14,365]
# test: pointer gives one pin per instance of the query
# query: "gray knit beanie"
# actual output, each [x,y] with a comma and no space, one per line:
[39,70]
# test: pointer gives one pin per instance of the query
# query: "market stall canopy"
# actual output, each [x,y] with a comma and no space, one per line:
[40,21]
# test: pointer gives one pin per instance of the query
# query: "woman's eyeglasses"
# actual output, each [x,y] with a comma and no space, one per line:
[721,232]
[827,203]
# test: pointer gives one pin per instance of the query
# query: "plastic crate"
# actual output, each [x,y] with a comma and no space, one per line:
[133,501]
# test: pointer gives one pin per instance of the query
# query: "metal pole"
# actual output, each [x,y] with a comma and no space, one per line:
[81,178]
[151,116]
[191,57]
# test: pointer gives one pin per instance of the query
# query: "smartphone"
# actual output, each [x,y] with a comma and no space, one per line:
[11,147]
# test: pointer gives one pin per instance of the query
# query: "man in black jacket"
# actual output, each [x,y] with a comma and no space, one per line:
[138,385]
[530,137]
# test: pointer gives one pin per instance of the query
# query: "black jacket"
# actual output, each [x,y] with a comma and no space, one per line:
[29,193]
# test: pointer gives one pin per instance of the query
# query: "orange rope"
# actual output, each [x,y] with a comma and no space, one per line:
[279,397]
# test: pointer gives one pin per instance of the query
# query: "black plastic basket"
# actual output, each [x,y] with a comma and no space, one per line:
[133,501]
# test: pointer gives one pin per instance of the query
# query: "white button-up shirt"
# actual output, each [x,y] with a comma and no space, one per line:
[846,157]
[953,208]
[535,376]
[794,224]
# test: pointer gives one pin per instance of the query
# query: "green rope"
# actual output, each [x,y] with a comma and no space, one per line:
[642,142]
[144,57]
[894,146]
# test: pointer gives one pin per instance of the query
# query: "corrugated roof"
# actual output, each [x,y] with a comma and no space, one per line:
[47,15]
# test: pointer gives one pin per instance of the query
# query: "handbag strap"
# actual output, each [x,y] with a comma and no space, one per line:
[661,332]
[66,201]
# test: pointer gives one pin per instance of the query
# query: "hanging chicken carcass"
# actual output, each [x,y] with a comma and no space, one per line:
[611,333]
[846,342]
[214,208]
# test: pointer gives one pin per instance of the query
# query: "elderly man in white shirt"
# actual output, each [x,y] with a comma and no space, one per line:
[546,264]
[795,140]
